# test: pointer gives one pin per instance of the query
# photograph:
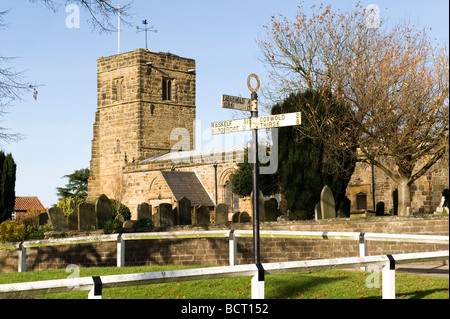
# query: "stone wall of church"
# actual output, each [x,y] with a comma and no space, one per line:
[426,192]
[144,182]
[143,97]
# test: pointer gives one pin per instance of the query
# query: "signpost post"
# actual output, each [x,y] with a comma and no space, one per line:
[255,167]
[253,123]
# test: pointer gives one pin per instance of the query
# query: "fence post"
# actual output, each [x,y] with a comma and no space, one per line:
[22,258]
[388,280]
[258,283]
[96,291]
[233,248]
[120,251]
[363,249]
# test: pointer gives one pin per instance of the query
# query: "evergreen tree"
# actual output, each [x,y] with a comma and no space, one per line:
[304,165]
[7,186]
[242,181]
[77,186]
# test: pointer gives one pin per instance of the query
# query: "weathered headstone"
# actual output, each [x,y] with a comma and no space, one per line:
[201,215]
[183,211]
[221,214]
[86,216]
[235,217]
[120,220]
[57,218]
[262,216]
[270,211]
[72,220]
[380,209]
[244,217]
[164,215]
[144,211]
[43,219]
[317,212]
[327,204]
[128,223]
[103,211]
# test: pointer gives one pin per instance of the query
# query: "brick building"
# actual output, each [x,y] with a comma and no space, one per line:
[146,110]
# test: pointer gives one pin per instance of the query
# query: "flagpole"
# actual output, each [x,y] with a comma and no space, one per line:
[118,30]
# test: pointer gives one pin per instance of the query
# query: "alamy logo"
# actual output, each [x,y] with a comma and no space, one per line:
[267,153]
[373,18]
[73,19]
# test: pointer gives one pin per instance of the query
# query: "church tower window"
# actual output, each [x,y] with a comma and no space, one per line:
[167,89]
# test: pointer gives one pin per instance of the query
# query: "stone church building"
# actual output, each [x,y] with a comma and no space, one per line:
[146,109]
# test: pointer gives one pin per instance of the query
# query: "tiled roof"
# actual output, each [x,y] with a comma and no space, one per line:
[206,153]
[25,203]
[187,184]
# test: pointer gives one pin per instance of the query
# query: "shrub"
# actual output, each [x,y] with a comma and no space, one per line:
[143,223]
[33,233]
[111,227]
[12,231]
[123,210]
[29,218]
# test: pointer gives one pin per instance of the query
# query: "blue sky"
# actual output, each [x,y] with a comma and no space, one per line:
[219,35]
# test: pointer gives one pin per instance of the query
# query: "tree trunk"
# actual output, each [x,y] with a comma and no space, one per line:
[404,197]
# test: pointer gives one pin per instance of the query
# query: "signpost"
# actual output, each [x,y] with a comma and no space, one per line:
[235,102]
[262,122]
[253,123]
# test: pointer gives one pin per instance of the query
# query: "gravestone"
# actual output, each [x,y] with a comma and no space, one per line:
[379,209]
[57,218]
[163,216]
[270,211]
[120,220]
[235,217]
[317,212]
[244,217]
[86,216]
[43,219]
[221,214]
[262,216]
[201,215]
[327,204]
[72,220]
[103,211]
[143,211]
[183,211]
[128,223]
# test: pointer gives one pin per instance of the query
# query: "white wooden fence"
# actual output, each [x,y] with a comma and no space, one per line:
[233,235]
[96,284]
[257,272]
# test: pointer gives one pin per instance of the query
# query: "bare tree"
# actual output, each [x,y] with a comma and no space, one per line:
[393,78]
[12,84]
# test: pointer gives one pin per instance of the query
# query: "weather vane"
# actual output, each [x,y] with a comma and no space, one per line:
[145,23]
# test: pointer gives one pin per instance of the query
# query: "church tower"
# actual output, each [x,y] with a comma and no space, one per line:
[142,96]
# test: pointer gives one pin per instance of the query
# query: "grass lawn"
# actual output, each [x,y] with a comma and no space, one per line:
[327,284]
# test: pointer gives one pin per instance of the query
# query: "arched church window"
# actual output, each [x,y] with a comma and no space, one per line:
[231,199]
